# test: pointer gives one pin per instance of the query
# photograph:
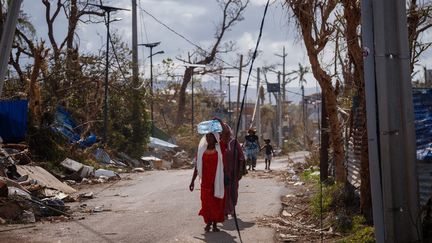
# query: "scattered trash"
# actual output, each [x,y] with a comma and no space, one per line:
[17,194]
[299,183]
[72,165]
[2,221]
[286,214]
[52,207]
[109,174]
[27,217]
[86,171]
[70,182]
[87,195]
[138,170]
[159,143]
[98,209]
[315,173]
[131,162]
[295,178]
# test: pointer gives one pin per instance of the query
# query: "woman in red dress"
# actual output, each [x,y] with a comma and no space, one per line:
[209,167]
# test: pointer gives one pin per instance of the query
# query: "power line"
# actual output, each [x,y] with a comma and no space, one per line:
[188,40]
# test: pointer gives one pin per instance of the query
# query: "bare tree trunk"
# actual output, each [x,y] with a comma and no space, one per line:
[325,142]
[352,15]
[336,137]
[34,92]
[187,77]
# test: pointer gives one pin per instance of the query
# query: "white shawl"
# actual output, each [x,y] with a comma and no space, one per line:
[219,178]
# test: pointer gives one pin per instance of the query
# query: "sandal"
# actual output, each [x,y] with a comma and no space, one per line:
[207,228]
[216,229]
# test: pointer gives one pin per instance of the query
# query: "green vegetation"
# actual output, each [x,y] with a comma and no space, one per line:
[329,198]
[358,232]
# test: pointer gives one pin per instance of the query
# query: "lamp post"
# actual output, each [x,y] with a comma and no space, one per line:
[151,46]
[229,99]
[107,11]
[192,65]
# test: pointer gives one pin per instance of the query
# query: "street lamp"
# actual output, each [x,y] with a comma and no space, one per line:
[107,10]
[229,98]
[151,46]
[192,65]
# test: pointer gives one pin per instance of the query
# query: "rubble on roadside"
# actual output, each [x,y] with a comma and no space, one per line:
[29,193]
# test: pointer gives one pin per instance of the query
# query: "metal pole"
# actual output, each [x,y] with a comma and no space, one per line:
[239,88]
[258,111]
[395,122]
[279,105]
[283,74]
[7,38]
[151,90]
[192,87]
[371,114]
[303,116]
[229,101]
[134,44]
[105,133]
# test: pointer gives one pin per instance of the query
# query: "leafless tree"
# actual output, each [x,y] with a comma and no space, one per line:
[232,11]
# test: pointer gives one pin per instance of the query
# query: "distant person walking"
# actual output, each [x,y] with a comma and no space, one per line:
[268,153]
[252,148]
[209,167]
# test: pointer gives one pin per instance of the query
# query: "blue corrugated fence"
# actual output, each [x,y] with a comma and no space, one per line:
[13,120]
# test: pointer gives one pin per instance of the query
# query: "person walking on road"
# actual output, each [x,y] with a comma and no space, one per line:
[268,153]
[209,167]
[252,148]
[234,167]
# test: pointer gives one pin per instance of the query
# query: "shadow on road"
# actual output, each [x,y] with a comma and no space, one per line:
[230,224]
[221,236]
[90,229]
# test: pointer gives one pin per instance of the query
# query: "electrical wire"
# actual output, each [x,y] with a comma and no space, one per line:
[243,101]
[189,41]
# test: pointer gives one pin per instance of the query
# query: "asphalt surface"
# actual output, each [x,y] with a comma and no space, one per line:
[157,206]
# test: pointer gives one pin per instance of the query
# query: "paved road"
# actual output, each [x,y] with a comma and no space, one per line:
[156,206]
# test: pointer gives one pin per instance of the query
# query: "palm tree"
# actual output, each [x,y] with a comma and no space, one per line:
[301,72]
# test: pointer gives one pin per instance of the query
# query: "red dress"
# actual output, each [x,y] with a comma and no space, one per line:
[212,208]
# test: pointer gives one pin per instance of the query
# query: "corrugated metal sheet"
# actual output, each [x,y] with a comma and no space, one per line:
[353,165]
[354,148]
[13,120]
[424,171]
[422,99]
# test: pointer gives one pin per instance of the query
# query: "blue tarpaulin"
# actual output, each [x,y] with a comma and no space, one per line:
[66,125]
[13,120]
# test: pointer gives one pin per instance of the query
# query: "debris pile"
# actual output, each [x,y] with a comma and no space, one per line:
[164,155]
[29,193]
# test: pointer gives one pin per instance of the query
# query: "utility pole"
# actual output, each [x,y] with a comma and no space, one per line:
[229,101]
[258,109]
[7,38]
[107,11]
[151,46]
[303,116]
[284,55]
[371,115]
[239,88]
[134,45]
[389,104]
[279,113]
